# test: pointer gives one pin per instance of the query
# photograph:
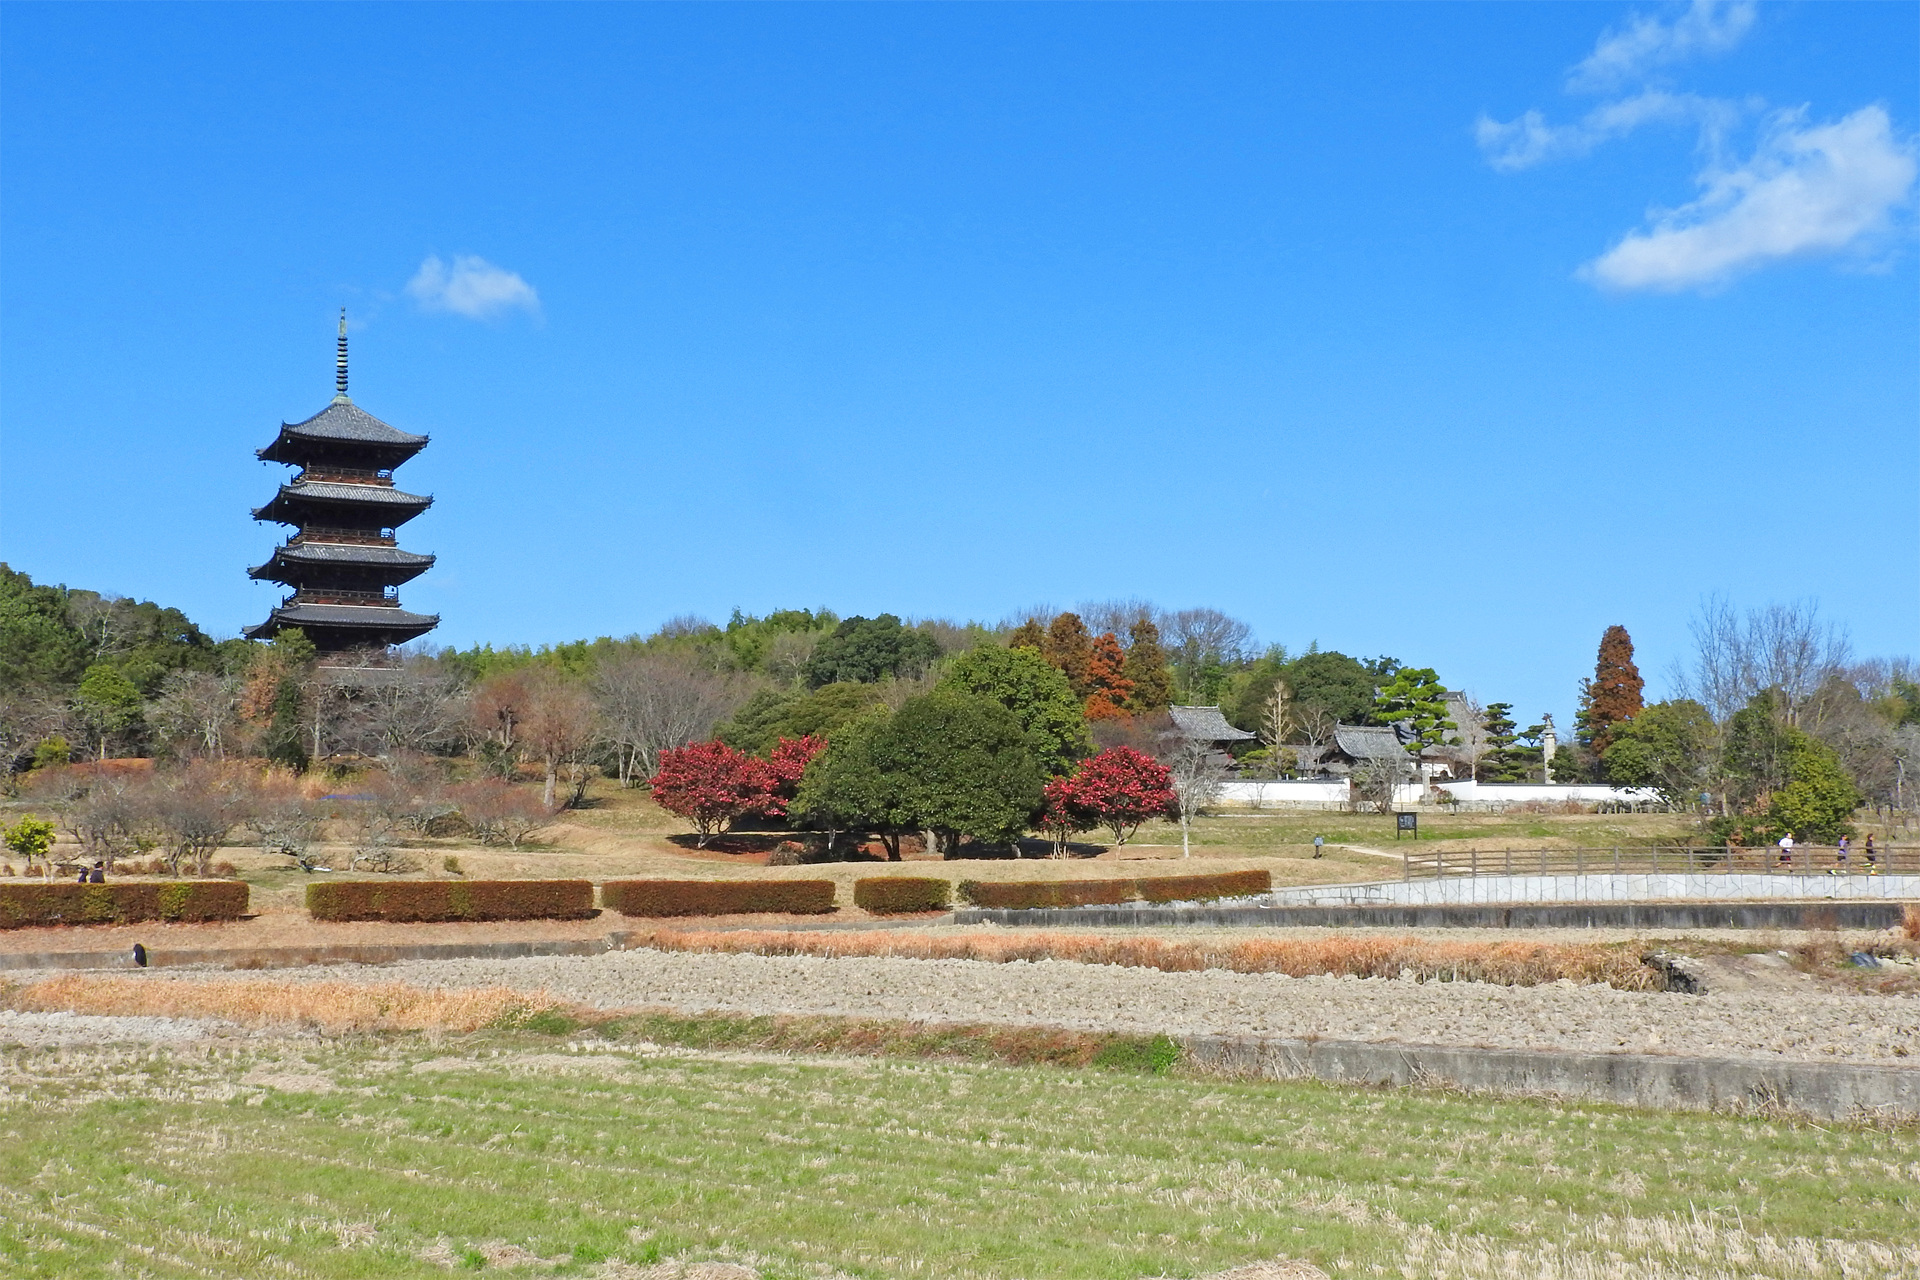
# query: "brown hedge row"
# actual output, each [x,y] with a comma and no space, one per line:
[22,905]
[1024,894]
[893,895]
[445,900]
[716,897]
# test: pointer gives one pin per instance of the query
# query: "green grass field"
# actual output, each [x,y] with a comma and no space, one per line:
[411,1156]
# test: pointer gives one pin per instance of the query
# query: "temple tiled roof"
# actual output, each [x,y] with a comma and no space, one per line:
[1369,742]
[1206,724]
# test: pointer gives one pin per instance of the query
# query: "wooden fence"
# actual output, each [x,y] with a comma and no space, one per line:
[1665,860]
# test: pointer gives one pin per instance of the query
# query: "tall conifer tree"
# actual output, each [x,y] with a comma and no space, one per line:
[1069,647]
[1613,696]
[1146,668]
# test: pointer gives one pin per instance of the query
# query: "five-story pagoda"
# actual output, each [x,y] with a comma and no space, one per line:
[343,561]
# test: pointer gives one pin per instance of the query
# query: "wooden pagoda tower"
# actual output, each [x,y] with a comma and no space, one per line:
[342,560]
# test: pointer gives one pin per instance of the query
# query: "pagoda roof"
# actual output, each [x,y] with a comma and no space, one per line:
[371,617]
[341,422]
[394,501]
[342,554]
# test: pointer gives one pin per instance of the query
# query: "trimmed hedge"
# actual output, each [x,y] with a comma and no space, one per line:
[22,905]
[893,895]
[1024,894]
[423,901]
[717,897]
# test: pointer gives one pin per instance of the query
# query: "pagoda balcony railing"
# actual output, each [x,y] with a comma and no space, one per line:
[331,595]
[348,475]
[353,537]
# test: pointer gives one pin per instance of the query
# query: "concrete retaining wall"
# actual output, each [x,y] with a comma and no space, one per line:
[1601,915]
[1830,1090]
[1598,887]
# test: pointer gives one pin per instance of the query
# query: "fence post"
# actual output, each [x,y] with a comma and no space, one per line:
[1689,859]
[1475,872]
[1616,859]
[1509,859]
[1580,861]
[1656,860]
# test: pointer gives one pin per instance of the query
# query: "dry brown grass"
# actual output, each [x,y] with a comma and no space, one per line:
[1521,964]
[264,1002]
[1910,921]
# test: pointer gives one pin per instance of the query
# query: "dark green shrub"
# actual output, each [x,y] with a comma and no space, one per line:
[716,897]
[436,901]
[897,895]
[22,905]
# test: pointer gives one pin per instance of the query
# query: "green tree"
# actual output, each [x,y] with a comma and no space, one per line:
[1779,778]
[864,650]
[108,703]
[1415,697]
[845,789]
[1501,761]
[1036,692]
[964,767]
[1818,800]
[38,645]
[1331,682]
[1668,746]
[1146,666]
[773,714]
[31,838]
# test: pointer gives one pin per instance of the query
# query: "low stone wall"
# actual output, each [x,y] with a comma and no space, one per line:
[1601,915]
[1832,1091]
[1605,887]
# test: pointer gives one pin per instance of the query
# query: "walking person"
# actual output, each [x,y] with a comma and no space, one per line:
[1872,858]
[1840,853]
[1786,850]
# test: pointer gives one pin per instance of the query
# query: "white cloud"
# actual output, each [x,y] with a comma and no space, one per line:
[471,287]
[1707,27]
[1529,140]
[1806,190]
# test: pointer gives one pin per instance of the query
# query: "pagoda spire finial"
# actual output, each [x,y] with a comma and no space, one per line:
[340,364]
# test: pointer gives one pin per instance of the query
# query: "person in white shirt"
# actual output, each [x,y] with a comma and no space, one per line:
[1786,849]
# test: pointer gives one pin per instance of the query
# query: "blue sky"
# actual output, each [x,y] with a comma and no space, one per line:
[1455,333]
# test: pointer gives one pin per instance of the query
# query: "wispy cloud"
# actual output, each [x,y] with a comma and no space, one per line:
[1646,43]
[1529,140]
[471,286]
[1806,190]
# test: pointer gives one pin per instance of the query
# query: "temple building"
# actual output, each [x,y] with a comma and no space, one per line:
[342,560]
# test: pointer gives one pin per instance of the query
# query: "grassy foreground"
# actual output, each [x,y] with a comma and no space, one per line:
[420,1156]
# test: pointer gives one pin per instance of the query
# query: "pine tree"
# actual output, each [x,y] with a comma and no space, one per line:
[1500,763]
[1106,673]
[1146,668]
[1613,696]
[1069,647]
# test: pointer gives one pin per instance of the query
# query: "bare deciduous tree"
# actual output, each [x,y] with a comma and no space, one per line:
[197,713]
[194,810]
[653,702]
[1736,655]
[561,725]
[1198,770]
[414,707]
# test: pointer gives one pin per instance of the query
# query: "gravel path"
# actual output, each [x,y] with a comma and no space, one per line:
[1817,1027]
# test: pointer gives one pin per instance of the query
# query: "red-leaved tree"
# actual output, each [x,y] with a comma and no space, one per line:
[1062,817]
[710,784]
[1119,789]
[787,762]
